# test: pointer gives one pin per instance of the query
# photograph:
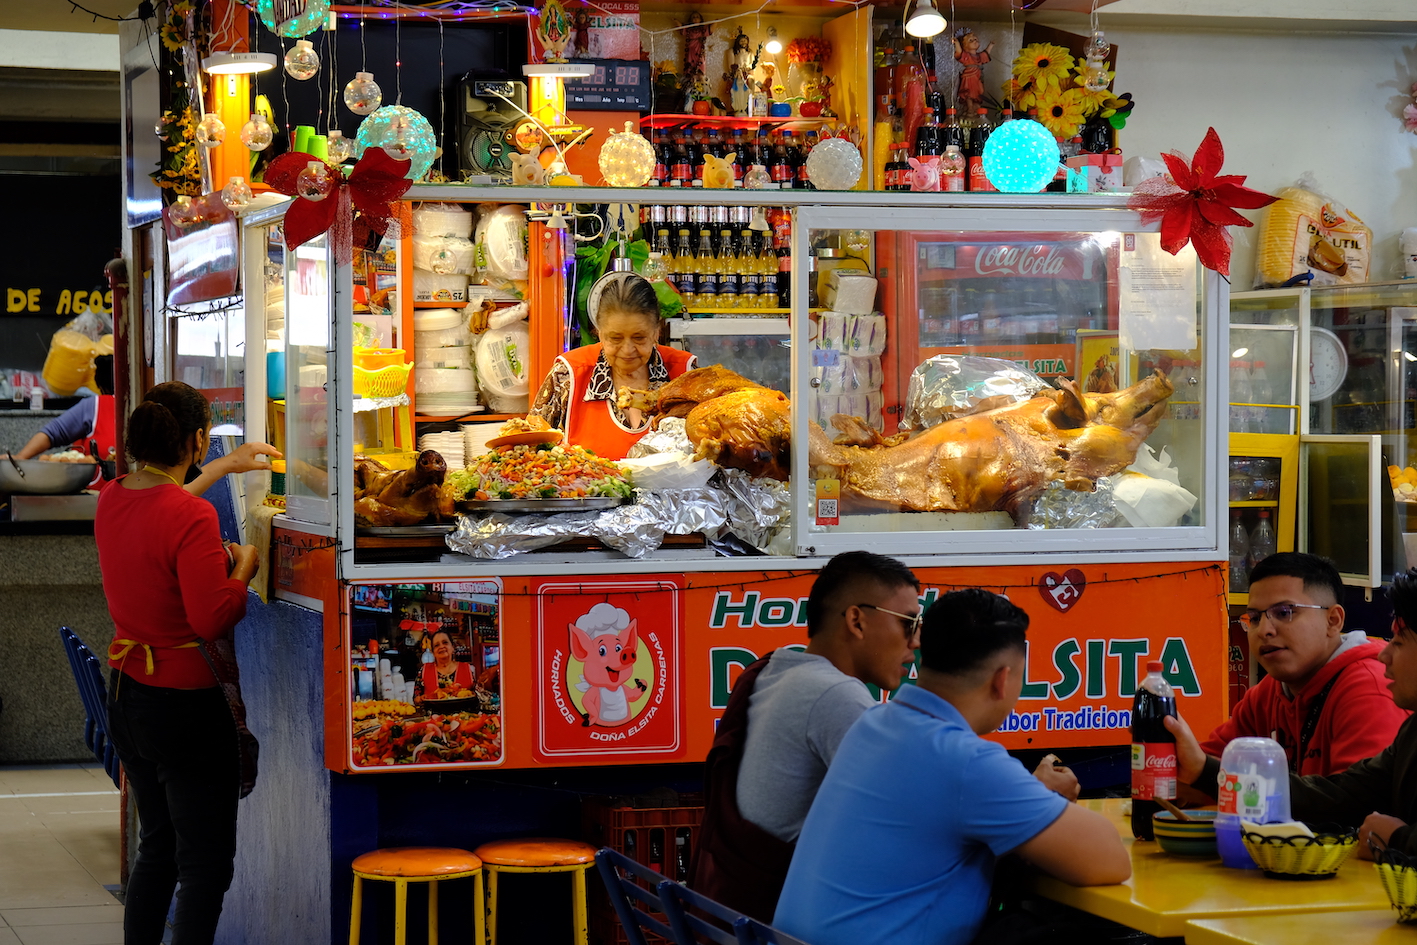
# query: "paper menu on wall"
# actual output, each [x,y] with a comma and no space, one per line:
[1156,294]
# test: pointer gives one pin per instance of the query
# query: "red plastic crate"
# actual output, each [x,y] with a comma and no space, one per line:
[611,822]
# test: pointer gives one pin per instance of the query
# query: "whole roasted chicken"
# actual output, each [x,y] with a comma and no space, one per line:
[384,497]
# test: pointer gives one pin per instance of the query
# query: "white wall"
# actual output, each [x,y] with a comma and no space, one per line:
[40,49]
[1283,104]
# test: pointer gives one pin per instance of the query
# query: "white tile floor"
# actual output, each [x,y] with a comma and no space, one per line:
[59,848]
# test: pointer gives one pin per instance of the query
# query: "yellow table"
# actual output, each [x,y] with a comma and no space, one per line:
[1165,891]
[1304,928]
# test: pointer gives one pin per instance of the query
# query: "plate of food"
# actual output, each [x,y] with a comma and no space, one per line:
[530,431]
[542,477]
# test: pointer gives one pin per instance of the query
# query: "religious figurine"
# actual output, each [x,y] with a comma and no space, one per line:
[582,33]
[695,36]
[554,30]
[971,59]
[743,62]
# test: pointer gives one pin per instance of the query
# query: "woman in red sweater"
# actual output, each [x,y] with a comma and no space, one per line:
[172,587]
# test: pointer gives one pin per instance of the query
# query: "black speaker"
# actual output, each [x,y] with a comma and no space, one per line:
[488,107]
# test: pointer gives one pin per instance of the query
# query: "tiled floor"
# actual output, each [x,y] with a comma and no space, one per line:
[58,850]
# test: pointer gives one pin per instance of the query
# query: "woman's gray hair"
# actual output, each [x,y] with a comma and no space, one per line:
[625,292]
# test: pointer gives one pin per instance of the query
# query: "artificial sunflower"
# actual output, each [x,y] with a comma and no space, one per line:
[1043,65]
[1096,101]
[1061,112]
[1021,94]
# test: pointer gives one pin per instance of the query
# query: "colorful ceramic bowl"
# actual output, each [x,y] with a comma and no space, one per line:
[1196,838]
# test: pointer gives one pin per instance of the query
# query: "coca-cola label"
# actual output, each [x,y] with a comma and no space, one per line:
[977,180]
[782,173]
[1153,770]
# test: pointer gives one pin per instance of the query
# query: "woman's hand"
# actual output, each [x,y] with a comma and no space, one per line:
[247,458]
[246,559]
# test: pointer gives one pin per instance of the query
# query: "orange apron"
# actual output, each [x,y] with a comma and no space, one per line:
[593,424]
[103,432]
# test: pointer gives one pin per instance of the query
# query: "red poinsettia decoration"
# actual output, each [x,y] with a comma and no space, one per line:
[371,188]
[1195,203]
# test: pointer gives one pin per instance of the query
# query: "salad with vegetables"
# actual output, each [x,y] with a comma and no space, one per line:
[540,471]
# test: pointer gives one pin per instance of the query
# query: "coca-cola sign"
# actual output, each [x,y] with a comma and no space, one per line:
[1006,260]
[1028,258]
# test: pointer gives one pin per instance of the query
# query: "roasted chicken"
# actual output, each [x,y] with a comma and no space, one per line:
[685,392]
[385,497]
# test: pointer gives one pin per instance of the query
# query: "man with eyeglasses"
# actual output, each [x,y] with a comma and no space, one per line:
[786,717]
[1324,698]
[902,839]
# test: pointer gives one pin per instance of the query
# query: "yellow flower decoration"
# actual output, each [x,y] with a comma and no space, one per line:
[1061,112]
[1044,65]
[1022,94]
[1096,101]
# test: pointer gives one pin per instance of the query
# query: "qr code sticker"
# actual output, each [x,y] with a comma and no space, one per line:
[826,508]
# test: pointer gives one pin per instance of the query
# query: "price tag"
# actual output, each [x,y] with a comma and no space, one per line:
[828,502]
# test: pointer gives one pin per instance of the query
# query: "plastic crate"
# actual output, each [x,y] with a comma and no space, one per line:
[611,822]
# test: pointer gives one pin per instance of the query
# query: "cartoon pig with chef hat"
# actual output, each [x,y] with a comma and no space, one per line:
[606,641]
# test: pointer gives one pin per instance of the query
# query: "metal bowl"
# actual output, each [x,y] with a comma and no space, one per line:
[41,478]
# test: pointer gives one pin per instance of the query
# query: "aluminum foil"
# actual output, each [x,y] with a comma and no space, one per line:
[1061,507]
[754,510]
[950,384]
[668,438]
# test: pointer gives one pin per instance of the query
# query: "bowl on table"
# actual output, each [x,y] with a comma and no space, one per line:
[39,477]
[1196,838]
[1313,857]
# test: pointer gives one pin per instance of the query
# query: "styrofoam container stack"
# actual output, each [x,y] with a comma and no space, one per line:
[442,219]
[440,328]
[447,445]
[475,437]
[439,287]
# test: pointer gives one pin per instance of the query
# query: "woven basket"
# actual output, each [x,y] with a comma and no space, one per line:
[1319,855]
[1398,874]
[385,382]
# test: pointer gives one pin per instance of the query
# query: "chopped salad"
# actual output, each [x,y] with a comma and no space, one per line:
[540,471]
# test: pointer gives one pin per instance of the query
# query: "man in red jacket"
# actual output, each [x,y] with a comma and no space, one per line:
[1324,699]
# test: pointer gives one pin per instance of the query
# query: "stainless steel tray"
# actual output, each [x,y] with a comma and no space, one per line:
[402,531]
[591,503]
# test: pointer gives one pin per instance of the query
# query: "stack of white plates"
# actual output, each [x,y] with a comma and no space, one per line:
[449,404]
[448,445]
[476,435]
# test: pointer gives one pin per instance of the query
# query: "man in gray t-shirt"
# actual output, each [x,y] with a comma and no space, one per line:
[862,627]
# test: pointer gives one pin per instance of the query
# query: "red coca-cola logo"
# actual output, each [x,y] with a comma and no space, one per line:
[1161,762]
[1019,260]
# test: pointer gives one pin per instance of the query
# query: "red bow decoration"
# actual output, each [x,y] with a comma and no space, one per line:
[1195,203]
[371,188]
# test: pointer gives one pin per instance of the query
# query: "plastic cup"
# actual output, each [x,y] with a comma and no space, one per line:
[1254,786]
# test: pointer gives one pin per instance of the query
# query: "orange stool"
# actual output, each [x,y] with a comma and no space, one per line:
[538,855]
[404,865]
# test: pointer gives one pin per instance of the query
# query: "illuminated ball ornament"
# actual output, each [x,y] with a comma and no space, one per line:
[626,159]
[183,213]
[236,194]
[315,182]
[362,95]
[257,133]
[210,131]
[301,61]
[1020,157]
[400,127]
[338,147]
[309,16]
[834,164]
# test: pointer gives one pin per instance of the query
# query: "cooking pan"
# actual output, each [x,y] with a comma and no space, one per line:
[35,477]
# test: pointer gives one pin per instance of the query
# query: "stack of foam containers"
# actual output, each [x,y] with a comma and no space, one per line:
[847,369]
[443,258]
[443,377]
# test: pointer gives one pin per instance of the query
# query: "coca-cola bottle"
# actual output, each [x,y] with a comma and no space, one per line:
[1153,749]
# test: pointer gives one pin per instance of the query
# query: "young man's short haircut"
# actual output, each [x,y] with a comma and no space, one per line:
[964,629]
[845,578]
[1403,596]
[1317,573]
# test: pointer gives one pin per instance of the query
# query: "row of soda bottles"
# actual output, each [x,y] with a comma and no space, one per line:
[1254,773]
[655,852]
[719,261]
[1248,548]
[779,158]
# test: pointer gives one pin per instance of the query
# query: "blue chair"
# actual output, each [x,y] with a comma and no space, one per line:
[88,674]
[712,922]
[752,932]
[636,893]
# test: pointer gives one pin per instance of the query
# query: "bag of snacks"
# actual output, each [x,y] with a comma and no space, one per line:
[1307,231]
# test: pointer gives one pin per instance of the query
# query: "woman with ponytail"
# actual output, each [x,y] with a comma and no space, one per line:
[175,593]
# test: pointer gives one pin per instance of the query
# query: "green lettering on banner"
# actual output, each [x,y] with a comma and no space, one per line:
[720,659]
[775,612]
[1063,656]
[1176,667]
[723,608]
[1096,683]
[1031,690]
[1127,652]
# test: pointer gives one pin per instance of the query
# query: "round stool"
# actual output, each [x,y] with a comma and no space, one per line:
[538,855]
[404,865]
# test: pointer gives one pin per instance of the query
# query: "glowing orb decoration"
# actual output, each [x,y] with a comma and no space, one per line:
[302,62]
[403,129]
[834,164]
[257,133]
[1020,157]
[210,131]
[236,194]
[626,159]
[338,147]
[296,19]
[314,183]
[362,95]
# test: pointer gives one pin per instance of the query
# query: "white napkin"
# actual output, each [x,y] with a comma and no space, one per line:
[1290,829]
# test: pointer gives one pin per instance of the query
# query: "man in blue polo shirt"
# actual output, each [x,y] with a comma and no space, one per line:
[900,843]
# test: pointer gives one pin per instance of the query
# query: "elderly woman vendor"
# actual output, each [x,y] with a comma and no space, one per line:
[578,395]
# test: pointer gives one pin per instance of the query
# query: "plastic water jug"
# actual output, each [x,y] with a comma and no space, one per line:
[1254,786]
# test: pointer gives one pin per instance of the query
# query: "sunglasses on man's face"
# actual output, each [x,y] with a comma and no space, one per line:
[910,622]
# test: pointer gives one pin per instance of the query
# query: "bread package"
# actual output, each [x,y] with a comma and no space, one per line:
[1307,231]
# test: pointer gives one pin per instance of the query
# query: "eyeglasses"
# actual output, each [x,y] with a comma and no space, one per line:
[911,622]
[1279,613]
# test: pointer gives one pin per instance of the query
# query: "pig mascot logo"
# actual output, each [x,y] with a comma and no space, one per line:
[606,641]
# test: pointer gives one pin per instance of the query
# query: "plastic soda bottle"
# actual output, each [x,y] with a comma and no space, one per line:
[1254,786]
[1153,749]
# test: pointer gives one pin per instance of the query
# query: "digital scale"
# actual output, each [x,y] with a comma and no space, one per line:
[617,85]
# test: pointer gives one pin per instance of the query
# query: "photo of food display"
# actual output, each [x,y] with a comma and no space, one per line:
[425,674]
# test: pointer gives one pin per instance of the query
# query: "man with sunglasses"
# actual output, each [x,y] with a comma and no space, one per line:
[1324,698]
[785,718]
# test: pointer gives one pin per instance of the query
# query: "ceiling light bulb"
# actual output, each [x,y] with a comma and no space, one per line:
[238,63]
[774,45]
[1239,352]
[926,21]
